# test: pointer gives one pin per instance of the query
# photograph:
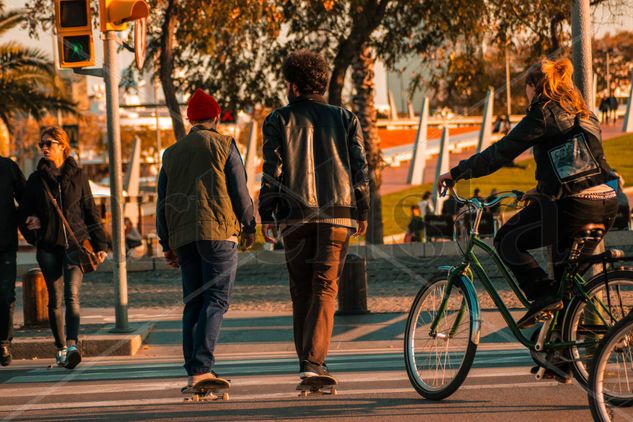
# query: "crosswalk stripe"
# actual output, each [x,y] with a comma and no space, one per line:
[250,397]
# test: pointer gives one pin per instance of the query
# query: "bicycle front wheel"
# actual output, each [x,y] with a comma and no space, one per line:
[586,328]
[438,360]
[611,379]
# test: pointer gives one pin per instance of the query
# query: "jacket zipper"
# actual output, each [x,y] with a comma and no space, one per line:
[61,207]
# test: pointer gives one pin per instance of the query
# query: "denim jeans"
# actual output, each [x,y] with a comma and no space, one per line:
[63,282]
[7,295]
[208,271]
[547,223]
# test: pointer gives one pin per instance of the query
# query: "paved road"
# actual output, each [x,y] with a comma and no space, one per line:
[373,386]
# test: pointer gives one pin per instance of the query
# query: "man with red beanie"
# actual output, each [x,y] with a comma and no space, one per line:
[203,212]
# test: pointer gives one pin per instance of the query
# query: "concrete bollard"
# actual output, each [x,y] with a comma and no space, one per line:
[352,289]
[34,299]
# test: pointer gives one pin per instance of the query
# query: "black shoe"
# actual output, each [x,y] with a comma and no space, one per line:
[5,356]
[73,357]
[309,369]
[543,304]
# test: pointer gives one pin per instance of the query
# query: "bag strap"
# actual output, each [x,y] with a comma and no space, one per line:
[61,214]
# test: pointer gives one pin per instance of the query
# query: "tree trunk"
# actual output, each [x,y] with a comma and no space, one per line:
[342,61]
[166,60]
[363,105]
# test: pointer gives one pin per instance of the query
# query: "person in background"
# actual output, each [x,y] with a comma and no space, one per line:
[134,246]
[426,205]
[203,211]
[11,188]
[415,229]
[59,174]
[495,208]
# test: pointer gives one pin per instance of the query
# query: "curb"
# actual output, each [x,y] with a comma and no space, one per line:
[102,342]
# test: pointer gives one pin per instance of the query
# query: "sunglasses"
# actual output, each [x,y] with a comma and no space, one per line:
[48,144]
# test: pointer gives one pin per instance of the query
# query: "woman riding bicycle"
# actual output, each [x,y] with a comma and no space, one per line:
[571,172]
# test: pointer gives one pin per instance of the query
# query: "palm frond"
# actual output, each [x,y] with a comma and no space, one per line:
[10,19]
[14,56]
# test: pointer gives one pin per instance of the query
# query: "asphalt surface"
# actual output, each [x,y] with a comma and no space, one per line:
[373,385]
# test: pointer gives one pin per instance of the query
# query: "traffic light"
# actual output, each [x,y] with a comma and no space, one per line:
[114,14]
[73,20]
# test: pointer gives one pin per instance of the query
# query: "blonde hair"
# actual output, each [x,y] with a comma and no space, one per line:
[553,80]
[58,134]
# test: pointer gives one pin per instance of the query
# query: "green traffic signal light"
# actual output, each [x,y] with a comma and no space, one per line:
[76,48]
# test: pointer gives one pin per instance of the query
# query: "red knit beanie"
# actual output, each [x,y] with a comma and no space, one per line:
[202,106]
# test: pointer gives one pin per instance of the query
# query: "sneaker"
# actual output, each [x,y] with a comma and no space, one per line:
[5,355]
[198,378]
[73,357]
[309,369]
[60,357]
[546,303]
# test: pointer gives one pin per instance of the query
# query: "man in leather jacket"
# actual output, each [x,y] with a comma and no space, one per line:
[315,189]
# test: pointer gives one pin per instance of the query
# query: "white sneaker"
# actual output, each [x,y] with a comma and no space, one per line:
[60,357]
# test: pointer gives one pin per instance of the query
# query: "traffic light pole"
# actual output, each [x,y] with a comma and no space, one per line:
[119,269]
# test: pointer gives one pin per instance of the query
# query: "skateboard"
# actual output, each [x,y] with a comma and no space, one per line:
[209,390]
[321,384]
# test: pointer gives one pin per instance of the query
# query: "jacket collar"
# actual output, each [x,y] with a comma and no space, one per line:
[68,170]
[309,97]
[199,128]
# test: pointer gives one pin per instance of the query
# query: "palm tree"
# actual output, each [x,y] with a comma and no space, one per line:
[28,80]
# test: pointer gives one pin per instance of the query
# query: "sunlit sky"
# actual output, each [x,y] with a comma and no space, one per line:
[602,23]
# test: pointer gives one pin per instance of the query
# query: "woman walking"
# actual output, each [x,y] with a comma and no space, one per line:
[59,185]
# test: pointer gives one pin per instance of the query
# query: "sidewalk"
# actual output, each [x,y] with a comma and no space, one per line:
[244,332]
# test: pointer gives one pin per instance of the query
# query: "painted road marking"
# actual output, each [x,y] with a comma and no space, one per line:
[250,397]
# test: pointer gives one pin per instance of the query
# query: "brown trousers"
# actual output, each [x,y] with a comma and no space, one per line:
[315,255]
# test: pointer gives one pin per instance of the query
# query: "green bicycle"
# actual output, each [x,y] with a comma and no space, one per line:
[444,323]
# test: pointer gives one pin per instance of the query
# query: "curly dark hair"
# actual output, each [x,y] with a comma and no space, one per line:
[308,70]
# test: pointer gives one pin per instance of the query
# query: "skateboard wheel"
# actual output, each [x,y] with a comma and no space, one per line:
[225,396]
[304,393]
[196,397]
[334,391]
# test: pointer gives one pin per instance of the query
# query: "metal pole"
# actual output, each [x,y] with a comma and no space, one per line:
[581,47]
[508,87]
[56,61]
[158,140]
[116,191]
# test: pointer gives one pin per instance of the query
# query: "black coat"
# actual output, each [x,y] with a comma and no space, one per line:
[73,194]
[11,187]
[567,150]
[314,159]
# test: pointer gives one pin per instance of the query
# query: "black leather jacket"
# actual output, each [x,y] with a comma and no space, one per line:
[567,150]
[314,163]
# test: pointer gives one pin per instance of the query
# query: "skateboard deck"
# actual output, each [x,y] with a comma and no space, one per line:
[213,389]
[321,384]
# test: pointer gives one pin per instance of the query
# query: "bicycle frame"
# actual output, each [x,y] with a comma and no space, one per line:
[472,265]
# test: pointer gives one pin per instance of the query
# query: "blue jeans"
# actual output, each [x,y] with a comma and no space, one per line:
[7,296]
[63,281]
[208,273]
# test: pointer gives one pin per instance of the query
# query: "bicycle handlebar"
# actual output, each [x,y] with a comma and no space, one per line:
[450,186]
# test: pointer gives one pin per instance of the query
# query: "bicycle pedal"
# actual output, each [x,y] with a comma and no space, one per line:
[543,316]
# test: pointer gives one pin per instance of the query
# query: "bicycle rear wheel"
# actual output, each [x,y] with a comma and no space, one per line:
[584,327]
[611,380]
[437,362]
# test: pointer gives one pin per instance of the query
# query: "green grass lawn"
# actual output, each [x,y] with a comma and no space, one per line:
[396,205]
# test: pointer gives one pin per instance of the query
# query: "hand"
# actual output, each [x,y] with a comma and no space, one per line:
[246,241]
[361,229]
[171,258]
[532,193]
[33,223]
[440,182]
[101,256]
[270,233]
